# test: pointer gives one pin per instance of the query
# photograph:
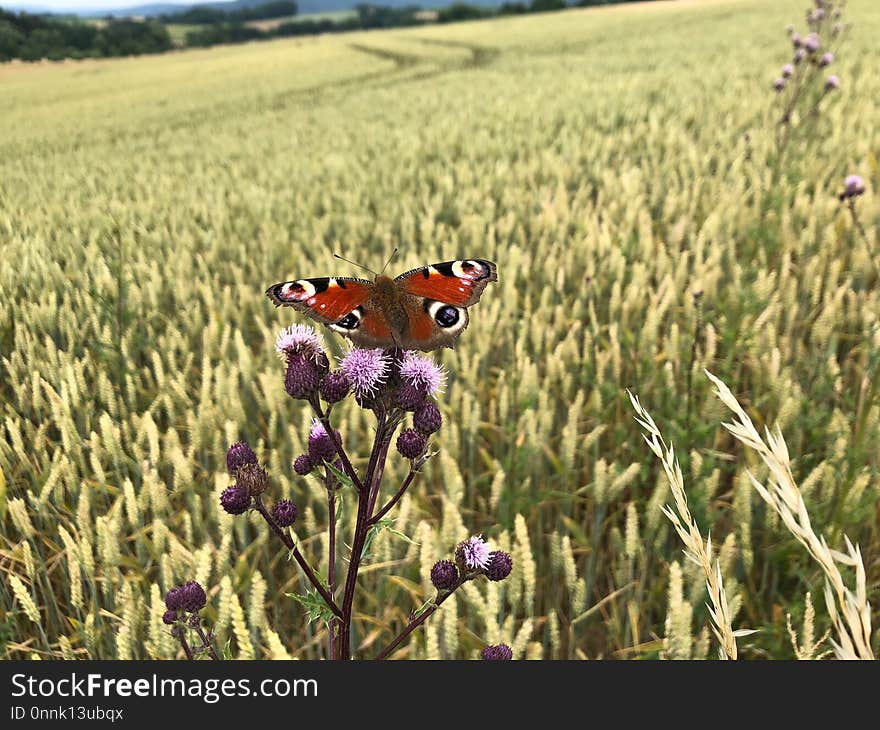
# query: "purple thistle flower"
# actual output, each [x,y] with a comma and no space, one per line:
[787,71]
[498,652]
[409,396]
[853,186]
[303,465]
[796,40]
[422,372]
[235,500]
[427,419]
[811,43]
[302,377]
[284,512]
[238,455]
[193,596]
[832,82]
[500,565]
[174,600]
[253,478]
[169,617]
[779,84]
[300,339]
[411,444]
[367,370]
[444,575]
[321,447]
[335,386]
[799,55]
[473,553]
[827,59]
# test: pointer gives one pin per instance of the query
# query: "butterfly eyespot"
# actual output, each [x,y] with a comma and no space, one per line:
[350,321]
[447,316]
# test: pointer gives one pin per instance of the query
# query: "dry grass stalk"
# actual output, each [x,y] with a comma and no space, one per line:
[686,526]
[849,610]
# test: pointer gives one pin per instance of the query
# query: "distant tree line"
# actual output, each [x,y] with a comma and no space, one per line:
[207,15]
[33,37]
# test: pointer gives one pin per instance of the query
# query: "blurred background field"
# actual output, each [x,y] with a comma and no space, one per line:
[614,162]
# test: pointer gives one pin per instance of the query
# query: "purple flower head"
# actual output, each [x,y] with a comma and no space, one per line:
[832,82]
[238,455]
[796,40]
[422,372]
[300,339]
[827,59]
[321,446]
[411,444]
[811,43]
[498,652]
[302,376]
[235,499]
[284,512]
[174,600]
[444,575]
[192,596]
[500,565]
[787,71]
[427,419]
[169,617]
[253,478]
[817,15]
[473,553]
[367,370]
[303,465]
[409,396]
[799,55]
[853,186]
[335,386]
[779,84]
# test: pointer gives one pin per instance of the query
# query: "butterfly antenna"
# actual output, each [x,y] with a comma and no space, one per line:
[390,259]
[360,266]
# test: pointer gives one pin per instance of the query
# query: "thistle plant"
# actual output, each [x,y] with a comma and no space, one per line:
[807,79]
[183,605]
[399,389]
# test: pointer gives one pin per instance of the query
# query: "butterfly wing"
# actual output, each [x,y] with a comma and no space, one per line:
[329,300]
[439,296]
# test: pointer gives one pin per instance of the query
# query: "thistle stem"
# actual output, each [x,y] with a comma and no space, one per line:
[291,546]
[180,633]
[331,562]
[395,499]
[347,467]
[416,622]
[207,643]
[384,431]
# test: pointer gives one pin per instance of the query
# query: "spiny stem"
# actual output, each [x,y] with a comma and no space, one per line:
[337,443]
[418,621]
[180,632]
[206,642]
[395,499]
[291,546]
[331,562]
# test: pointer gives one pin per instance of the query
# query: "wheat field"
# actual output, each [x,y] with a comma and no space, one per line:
[616,163]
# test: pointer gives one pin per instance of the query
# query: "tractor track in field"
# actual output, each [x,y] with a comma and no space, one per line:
[405,70]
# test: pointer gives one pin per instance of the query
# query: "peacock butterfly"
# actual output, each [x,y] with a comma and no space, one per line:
[423,309]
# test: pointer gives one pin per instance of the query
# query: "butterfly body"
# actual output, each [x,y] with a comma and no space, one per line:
[423,309]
